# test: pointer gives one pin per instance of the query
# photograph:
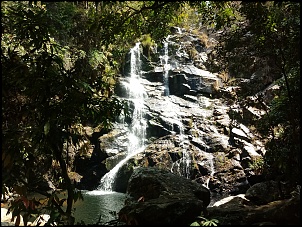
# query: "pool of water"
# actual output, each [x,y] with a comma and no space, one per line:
[98,206]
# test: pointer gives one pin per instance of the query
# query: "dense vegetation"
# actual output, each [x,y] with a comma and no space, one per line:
[60,61]
[261,41]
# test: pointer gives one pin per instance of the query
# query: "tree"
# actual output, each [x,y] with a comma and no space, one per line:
[47,99]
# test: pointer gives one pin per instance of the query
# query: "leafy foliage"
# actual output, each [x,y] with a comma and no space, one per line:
[205,222]
[257,165]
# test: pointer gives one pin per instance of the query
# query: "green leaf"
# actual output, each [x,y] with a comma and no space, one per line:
[195,224]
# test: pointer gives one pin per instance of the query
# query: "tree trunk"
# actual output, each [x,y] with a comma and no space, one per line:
[70,192]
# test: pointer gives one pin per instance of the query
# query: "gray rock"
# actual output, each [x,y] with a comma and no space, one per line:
[264,192]
[238,210]
[160,197]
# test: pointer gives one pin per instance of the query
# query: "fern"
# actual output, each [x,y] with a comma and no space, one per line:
[205,222]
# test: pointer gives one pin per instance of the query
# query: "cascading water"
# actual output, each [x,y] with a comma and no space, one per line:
[183,168]
[186,159]
[137,128]
[179,30]
[184,165]
[166,67]
[210,160]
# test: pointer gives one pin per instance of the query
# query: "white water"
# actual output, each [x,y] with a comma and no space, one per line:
[184,166]
[179,30]
[166,67]
[186,159]
[210,159]
[136,94]
[107,180]
[137,129]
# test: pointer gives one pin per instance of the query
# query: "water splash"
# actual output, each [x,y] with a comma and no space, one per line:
[137,128]
[107,181]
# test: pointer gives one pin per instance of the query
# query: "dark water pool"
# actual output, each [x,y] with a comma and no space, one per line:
[98,204]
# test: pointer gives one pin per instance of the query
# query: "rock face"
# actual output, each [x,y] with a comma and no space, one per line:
[194,130]
[190,130]
[161,197]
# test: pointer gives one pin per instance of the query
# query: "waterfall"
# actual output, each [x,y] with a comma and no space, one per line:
[186,159]
[166,66]
[137,128]
[136,94]
[179,30]
[184,164]
[210,159]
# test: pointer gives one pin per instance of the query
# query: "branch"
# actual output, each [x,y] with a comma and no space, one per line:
[155,6]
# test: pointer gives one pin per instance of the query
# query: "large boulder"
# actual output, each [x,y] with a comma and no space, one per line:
[267,191]
[238,210]
[157,196]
